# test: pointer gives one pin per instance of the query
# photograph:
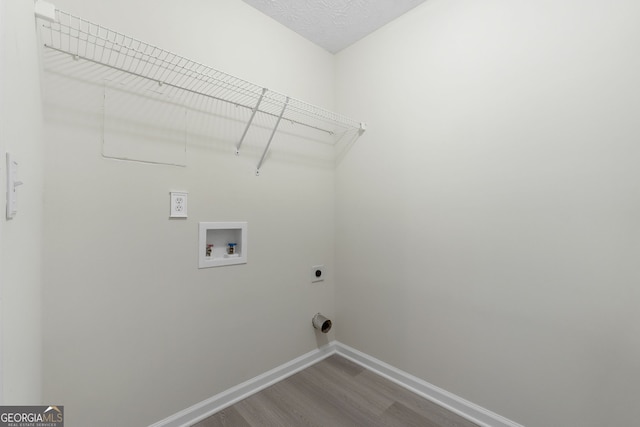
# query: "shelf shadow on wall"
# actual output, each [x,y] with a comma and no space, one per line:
[142,120]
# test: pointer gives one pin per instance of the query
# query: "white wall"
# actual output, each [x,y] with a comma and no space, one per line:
[134,330]
[21,237]
[485,224]
[488,221]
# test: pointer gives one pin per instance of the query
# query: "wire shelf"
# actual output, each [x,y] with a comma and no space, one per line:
[93,42]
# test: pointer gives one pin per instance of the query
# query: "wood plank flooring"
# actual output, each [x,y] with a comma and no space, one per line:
[334,393]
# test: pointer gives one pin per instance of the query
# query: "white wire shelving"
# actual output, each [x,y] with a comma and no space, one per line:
[85,40]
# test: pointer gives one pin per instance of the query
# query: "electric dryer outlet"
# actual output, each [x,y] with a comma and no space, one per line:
[317,273]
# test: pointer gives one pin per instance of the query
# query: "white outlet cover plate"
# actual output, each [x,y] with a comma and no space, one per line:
[314,273]
[178,204]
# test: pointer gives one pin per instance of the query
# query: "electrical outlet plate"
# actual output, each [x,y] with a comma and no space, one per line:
[178,204]
[317,273]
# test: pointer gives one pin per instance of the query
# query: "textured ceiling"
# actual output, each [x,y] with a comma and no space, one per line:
[334,24]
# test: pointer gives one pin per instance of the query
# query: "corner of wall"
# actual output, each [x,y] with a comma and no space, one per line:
[21,237]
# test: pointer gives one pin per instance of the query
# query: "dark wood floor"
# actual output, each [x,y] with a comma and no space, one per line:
[333,393]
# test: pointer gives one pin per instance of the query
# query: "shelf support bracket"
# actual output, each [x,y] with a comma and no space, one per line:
[253,114]
[273,132]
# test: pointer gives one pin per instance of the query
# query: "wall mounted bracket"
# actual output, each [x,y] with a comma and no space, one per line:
[253,114]
[273,132]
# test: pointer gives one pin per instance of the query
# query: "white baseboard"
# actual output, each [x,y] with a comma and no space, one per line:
[206,408]
[458,405]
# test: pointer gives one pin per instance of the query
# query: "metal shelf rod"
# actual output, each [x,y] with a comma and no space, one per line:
[253,114]
[273,132]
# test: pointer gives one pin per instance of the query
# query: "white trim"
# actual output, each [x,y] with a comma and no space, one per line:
[450,401]
[456,404]
[206,408]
